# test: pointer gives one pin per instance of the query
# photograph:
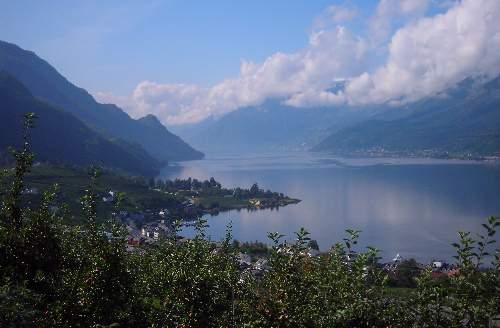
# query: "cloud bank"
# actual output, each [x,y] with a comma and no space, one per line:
[421,57]
[435,53]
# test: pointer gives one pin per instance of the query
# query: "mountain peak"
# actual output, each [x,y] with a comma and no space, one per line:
[150,118]
[151,121]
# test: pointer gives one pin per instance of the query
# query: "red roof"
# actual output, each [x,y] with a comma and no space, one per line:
[132,241]
[436,275]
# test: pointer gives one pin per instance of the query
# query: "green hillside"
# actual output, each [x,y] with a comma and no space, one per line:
[463,120]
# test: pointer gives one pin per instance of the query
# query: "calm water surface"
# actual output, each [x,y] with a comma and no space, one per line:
[409,206]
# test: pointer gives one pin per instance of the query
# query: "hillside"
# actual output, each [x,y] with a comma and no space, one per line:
[45,83]
[462,120]
[59,137]
[270,126]
[162,144]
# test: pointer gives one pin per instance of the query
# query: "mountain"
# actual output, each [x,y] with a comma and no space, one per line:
[45,83]
[463,119]
[172,147]
[270,126]
[59,137]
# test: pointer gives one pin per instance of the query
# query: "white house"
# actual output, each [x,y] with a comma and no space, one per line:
[109,197]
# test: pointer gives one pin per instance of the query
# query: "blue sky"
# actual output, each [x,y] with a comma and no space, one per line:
[186,61]
[113,45]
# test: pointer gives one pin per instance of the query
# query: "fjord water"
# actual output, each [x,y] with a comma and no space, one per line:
[408,206]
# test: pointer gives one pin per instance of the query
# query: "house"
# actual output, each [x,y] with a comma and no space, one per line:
[147,232]
[164,213]
[437,265]
[254,202]
[244,260]
[453,272]
[438,275]
[109,197]
[30,191]
[313,252]
[397,259]
[394,264]
[156,230]
[133,241]
[261,265]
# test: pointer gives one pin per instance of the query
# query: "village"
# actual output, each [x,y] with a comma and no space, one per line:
[193,199]
[148,227]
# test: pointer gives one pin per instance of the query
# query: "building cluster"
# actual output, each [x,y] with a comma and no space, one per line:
[30,191]
[257,267]
[145,227]
[439,269]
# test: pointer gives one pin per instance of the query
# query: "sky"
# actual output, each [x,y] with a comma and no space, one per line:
[186,61]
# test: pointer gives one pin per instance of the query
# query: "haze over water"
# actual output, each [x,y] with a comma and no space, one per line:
[409,206]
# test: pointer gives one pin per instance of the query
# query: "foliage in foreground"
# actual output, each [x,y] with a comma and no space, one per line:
[52,275]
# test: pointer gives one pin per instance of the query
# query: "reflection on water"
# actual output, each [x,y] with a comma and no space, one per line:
[407,206]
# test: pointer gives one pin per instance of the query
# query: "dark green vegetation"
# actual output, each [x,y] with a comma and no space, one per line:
[255,248]
[52,275]
[46,84]
[210,194]
[62,138]
[463,120]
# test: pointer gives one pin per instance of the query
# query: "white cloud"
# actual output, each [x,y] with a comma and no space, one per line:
[330,53]
[336,14]
[435,53]
[111,98]
[316,98]
[424,56]
[342,14]
[166,100]
[390,11]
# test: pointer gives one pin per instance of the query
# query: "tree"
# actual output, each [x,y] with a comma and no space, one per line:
[254,190]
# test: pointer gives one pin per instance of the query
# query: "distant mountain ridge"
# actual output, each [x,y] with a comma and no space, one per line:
[463,119]
[271,126]
[59,137]
[45,83]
